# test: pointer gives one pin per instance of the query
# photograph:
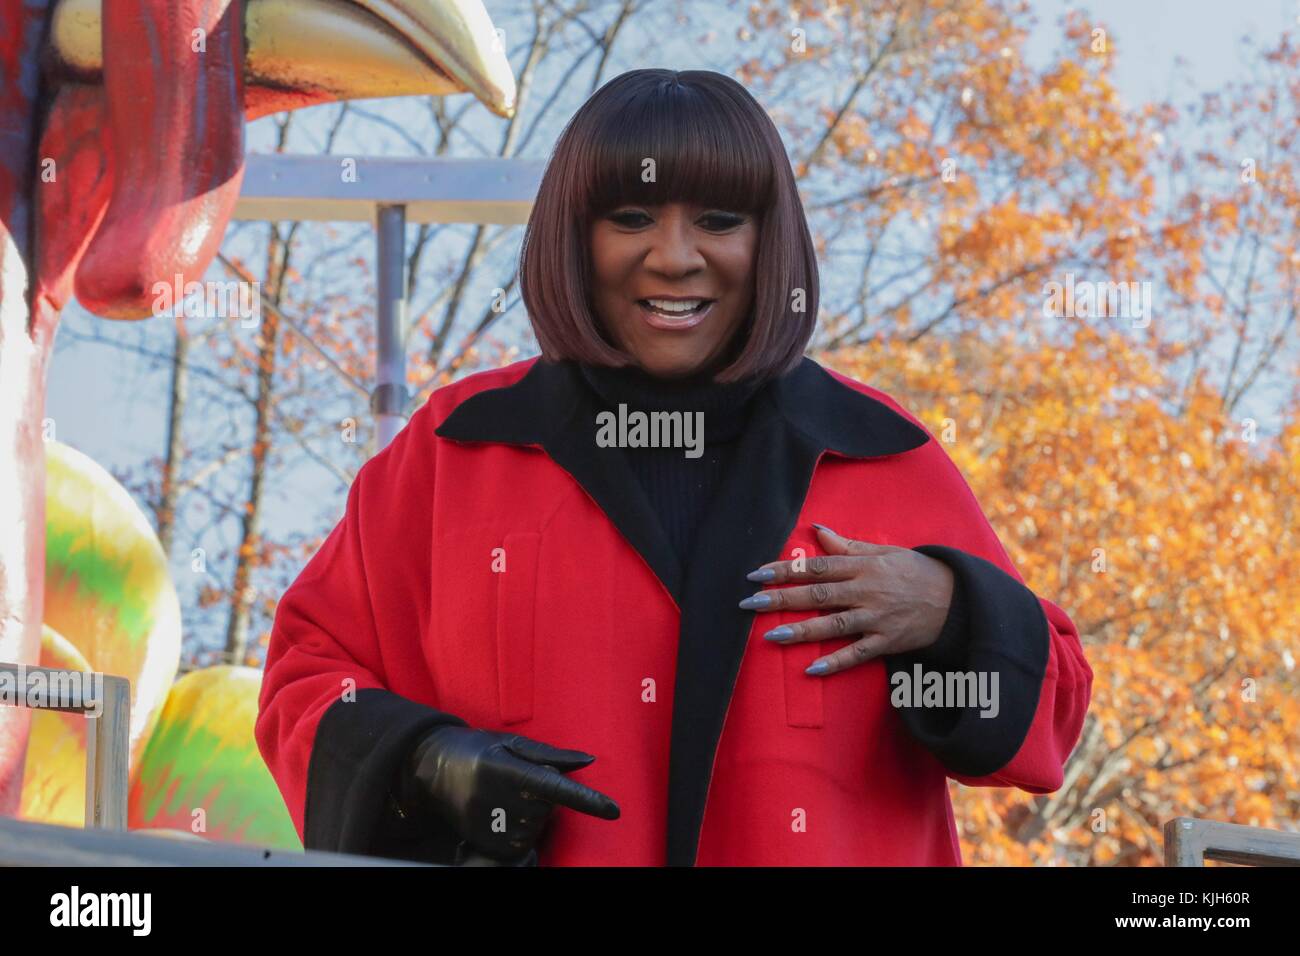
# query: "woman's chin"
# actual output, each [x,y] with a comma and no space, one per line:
[672,366]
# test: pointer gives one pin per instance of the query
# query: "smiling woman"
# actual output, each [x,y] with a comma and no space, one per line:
[675,268]
[556,583]
[702,209]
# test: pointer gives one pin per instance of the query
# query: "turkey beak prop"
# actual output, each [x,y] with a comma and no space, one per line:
[322,50]
[121,159]
[166,85]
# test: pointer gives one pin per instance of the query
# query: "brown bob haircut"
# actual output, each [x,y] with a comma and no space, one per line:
[713,145]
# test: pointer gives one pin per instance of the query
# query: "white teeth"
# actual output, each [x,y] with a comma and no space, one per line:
[678,306]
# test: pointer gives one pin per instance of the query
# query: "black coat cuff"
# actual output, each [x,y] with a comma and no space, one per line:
[356,799]
[995,626]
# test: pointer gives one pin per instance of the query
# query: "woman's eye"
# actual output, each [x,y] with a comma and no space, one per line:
[714,222]
[628,218]
[720,221]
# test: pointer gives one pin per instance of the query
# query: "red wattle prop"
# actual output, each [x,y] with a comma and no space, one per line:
[71,202]
[177,150]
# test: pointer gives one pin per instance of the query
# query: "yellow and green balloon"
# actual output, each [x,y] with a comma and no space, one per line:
[111,606]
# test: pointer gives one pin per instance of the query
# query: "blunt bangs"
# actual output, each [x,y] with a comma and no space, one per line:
[702,153]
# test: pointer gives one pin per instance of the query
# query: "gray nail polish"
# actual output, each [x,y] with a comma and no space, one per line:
[762,574]
[756,602]
[779,633]
[818,667]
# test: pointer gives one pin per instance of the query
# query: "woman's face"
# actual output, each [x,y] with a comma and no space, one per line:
[673,256]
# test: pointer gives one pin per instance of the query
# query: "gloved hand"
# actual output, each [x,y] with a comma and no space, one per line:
[471,777]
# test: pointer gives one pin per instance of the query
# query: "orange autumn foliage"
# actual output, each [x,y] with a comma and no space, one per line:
[961,176]
[1171,539]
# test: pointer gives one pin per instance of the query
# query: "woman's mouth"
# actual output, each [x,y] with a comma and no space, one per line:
[675,314]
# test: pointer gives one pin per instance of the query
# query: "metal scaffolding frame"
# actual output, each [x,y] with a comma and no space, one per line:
[390,194]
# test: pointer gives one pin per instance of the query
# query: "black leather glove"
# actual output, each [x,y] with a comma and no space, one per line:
[497,790]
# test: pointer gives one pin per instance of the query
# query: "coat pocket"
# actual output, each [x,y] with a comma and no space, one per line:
[516,626]
[803,692]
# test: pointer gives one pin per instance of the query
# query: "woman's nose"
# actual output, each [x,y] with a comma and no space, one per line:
[673,251]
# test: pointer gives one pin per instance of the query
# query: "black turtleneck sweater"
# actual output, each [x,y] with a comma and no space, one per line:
[679,488]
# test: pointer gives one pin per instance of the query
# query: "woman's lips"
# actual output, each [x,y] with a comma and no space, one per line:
[658,320]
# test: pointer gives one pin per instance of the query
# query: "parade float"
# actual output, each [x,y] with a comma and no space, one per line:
[122,157]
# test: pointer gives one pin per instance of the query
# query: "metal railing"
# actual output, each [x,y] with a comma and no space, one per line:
[1190,842]
[105,701]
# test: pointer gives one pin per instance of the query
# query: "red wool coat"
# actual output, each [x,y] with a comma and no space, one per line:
[494,567]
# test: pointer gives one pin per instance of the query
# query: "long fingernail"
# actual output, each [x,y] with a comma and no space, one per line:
[822,527]
[762,574]
[779,633]
[756,602]
[818,667]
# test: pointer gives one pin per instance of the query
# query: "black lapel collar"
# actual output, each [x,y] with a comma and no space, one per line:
[799,417]
[540,406]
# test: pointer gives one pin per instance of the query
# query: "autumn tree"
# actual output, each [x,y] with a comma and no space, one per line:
[1171,539]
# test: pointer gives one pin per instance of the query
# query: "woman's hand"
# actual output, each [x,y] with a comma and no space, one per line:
[892,599]
[498,790]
